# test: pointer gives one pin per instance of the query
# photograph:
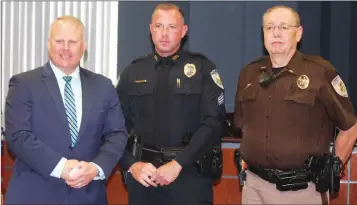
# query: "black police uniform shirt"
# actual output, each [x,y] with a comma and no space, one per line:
[165,98]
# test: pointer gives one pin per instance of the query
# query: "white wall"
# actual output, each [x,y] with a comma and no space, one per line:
[24,33]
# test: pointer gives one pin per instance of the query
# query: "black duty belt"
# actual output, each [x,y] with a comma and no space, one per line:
[152,156]
[159,157]
[269,175]
[284,180]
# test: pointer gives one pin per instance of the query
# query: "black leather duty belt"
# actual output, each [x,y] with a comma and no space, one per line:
[266,174]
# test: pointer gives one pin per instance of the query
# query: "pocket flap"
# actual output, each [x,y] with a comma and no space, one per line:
[304,97]
[248,93]
[141,88]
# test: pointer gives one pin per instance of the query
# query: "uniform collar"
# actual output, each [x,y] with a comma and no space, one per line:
[169,60]
[295,65]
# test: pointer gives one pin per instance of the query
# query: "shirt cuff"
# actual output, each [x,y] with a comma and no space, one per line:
[101,173]
[57,171]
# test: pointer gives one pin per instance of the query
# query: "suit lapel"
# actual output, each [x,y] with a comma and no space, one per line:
[50,81]
[86,100]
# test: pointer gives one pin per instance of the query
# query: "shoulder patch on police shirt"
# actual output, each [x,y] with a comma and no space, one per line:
[216,78]
[339,86]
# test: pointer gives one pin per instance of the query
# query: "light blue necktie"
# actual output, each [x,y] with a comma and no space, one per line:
[70,106]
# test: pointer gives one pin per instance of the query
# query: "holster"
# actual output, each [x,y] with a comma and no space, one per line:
[134,147]
[241,168]
[211,165]
[326,172]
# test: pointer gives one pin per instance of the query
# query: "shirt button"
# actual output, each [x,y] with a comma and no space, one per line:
[269,97]
[267,116]
[266,136]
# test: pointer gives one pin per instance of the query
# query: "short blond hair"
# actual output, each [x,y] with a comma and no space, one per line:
[295,14]
[68,18]
[167,7]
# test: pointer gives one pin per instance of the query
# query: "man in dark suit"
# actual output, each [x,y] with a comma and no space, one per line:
[64,125]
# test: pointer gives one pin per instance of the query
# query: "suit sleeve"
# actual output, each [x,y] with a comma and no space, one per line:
[127,160]
[115,134]
[19,137]
[212,110]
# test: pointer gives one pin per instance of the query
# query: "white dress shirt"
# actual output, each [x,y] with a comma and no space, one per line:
[77,91]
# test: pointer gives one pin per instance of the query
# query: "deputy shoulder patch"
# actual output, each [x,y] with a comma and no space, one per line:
[339,86]
[216,78]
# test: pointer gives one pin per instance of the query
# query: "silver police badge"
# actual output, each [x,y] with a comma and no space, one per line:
[303,82]
[189,70]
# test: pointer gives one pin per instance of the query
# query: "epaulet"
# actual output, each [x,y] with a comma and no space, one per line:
[198,55]
[321,61]
[258,60]
[139,59]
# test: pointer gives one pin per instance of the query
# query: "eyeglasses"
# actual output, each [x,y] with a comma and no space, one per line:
[281,28]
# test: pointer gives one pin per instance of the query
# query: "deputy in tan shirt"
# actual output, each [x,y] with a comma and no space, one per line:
[288,105]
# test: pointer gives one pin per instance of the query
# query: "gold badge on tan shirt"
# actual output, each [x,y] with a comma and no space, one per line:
[303,81]
[189,70]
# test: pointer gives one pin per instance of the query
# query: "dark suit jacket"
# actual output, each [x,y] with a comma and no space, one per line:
[38,135]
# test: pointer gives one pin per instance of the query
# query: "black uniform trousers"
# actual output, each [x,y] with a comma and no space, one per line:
[189,188]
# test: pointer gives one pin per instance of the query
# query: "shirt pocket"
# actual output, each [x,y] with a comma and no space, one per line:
[187,96]
[299,106]
[248,94]
[141,95]
[247,98]
[301,97]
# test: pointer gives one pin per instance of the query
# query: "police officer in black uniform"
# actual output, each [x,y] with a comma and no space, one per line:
[168,97]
